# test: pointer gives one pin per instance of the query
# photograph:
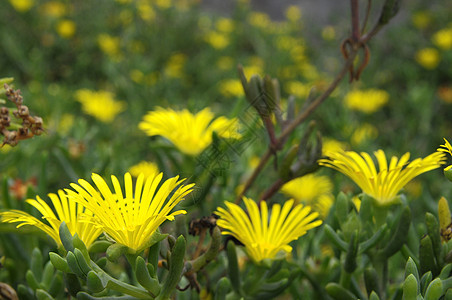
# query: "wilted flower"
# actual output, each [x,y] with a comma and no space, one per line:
[367,101]
[191,134]
[265,235]
[131,218]
[384,185]
[99,104]
[76,217]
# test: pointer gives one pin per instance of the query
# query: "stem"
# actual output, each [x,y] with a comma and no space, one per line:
[366,18]
[299,119]
[355,20]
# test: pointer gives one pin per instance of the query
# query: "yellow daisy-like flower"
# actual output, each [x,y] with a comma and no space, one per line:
[428,58]
[308,188]
[384,185]
[264,235]
[367,101]
[191,134]
[99,104]
[77,218]
[147,168]
[446,148]
[131,218]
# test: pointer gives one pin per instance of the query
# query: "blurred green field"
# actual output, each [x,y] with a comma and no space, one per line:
[93,69]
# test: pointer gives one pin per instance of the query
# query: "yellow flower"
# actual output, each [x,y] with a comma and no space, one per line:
[446,148]
[53,9]
[99,104]
[225,25]
[293,13]
[384,185]
[323,205]
[231,88]
[259,19]
[148,169]
[443,38]
[421,19]
[225,63]
[328,33]
[367,101]
[329,145]
[66,28]
[131,218]
[175,66]
[428,58]
[76,217]
[109,44]
[363,133]
[298,89]
[191,134]
[163,4]
[308,188]
[217,40]
[146,11]
[22,5]
[264,235]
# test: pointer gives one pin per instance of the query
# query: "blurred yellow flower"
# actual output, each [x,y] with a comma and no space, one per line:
[53,9]
[323,205]
[225,63]
[421,19]
[22,5]
[330,145]
[386,184]
[148,169]
[363,133]
[259,19]
[293,13]
[136,75]
[108,44]
[443,38]
[77,218]
[254,162]
[231,88]
[225,25]
[164,4]
[175,66]
[328,33]
[308,188]
[298,89]
[131,218]
[265,235]
[367,101]
[146,11]
[428,58]
[66,28]
[190,133]
[66,123]
[100,104]
[217,40]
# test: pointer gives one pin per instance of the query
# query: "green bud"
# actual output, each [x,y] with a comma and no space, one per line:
[371,280]
[171,241]
[271,88]
[43,295]
[285,172]
[222,288]
[175,269]
[425,281]
[59,263]
[434,290]
[444,213]
[390,9]
[47,275]
[334,238]
[338,292]
[410,288]
[341,212]
[73,265]
[233,268]
[94,282]
[350,258]
[115,251]
[145,278]
[66,237]
[99,246]
[427,256]
[374,296]
[411,268]
[36,263]
[78,243]
[31,280]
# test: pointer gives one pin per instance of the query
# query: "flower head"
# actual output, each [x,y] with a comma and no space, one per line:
[191,134]
[99,104]
[307,188]
[76,217]
[384,185]
[446,148]
[443,38]
[367,101]
[131,218]
[262,234]
[428,58]
[147,168]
